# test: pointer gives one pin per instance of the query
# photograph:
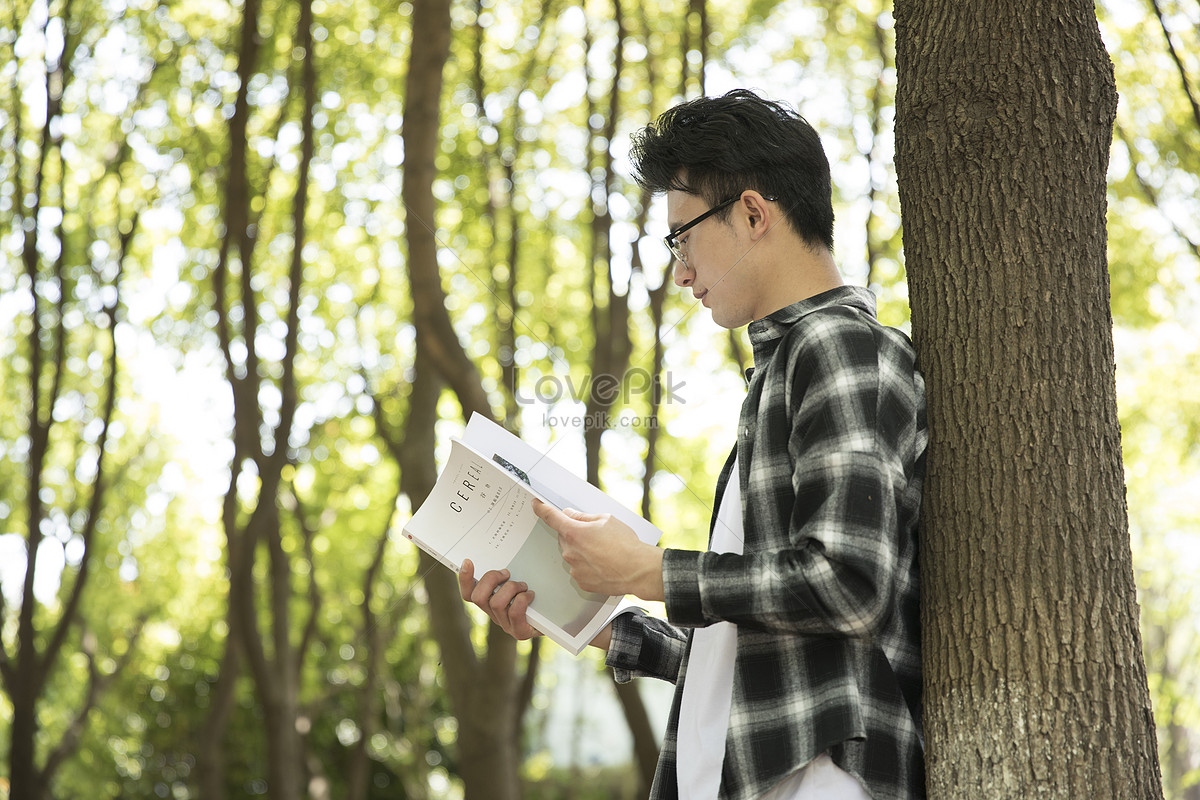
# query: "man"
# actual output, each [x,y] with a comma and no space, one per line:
[794,641]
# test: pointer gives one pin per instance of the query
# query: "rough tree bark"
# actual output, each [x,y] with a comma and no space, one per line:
[1034,680]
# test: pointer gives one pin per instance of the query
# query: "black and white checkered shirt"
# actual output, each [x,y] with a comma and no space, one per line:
[831,440]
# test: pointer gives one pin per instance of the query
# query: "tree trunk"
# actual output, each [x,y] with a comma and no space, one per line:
[372,635]
[240,557]
[645,743]
[210,749]
[1035,684]
[276,672]
[422,126]
[612,347]
[279,688]
[40,636]
[24,774]
[483,690]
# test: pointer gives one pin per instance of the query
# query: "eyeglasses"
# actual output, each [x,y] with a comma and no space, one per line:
[672,238]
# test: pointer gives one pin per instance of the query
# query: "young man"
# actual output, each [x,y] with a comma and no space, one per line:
[794,641]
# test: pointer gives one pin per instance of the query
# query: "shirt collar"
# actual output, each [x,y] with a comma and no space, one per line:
[765,333]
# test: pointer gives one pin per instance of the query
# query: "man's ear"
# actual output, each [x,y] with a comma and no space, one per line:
[758,213]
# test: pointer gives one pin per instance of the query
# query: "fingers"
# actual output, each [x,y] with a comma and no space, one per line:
[549,514]
[507,609]
[466,579]
[505,601]
[502,598]
[487,586]
[520,627]
[561,519]
[583,516]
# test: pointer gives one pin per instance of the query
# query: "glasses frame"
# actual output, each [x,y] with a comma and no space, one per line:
[672,238]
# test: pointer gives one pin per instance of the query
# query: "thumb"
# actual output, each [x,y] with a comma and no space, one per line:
[550,515]
[582,516]
[561,520]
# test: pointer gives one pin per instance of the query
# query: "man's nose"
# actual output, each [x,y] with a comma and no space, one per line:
[684,276]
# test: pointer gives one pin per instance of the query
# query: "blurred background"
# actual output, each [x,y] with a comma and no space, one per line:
[213,424]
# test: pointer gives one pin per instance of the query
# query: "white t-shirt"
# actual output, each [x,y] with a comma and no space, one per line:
[708,685]
[708,693]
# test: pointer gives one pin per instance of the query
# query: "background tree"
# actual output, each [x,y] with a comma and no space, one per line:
[483,690]
[262,449]
[71,442]
[1029,608]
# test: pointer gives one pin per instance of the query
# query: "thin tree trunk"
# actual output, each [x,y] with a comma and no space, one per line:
[210,750]
[276,673]
[1035,684]
[25,676]
[874,250]
[483,691]
[239,553]
[279,688]
[1151,194]
[1179,65]
[423,94]
[611,348]
[645,744]
[358,770]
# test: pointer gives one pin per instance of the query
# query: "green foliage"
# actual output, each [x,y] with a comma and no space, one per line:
[1160,420]
[1154,257]
[1154,247]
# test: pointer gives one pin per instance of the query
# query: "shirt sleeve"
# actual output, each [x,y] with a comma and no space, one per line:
[832,571]
[645,647]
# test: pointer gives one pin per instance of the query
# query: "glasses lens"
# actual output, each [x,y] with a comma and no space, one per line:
[673,242]
[675,249]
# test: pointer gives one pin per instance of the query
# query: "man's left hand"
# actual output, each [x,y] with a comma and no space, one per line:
[604,554]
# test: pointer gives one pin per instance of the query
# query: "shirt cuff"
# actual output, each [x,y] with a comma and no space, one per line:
[625,646]
[681,587]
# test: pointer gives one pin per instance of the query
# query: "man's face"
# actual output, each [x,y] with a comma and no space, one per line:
[717,270]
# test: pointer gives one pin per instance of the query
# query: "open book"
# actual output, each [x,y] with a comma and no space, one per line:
[481,509]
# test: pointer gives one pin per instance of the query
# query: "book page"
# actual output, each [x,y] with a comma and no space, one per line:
[551,481]
[482,511]
[474,511]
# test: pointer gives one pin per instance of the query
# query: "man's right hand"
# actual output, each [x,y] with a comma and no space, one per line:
[503,600]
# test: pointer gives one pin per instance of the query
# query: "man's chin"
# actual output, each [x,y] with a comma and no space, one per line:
[729,322]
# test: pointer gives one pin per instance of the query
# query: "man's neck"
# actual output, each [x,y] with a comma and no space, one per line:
[799,277]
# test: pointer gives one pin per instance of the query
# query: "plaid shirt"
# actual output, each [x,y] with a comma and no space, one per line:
[832,441]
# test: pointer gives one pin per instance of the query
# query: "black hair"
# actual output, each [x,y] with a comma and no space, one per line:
[718,147]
